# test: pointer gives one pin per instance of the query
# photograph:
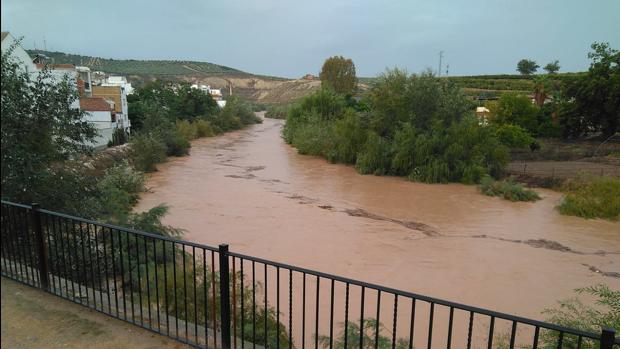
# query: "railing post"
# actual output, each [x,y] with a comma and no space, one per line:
[41,247]
[224,296]
[608,337]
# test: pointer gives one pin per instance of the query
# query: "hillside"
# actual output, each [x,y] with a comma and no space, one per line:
[138,67]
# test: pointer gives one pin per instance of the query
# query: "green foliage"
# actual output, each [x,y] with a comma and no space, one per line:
[146,151]
[203,128]
[186,130]
[527,67]
[592,197]
[415,126]
[513,136]
[236,114]
[368,337]
[119,190]
[573,313]
[508,189]
[552,67]
[592,102]
[39,131]
[515,109]
[277,112]
[339,73]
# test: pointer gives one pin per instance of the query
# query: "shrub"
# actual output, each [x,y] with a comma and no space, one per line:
[514,136]
[515,109]
[348,136]
[119,189]
[573,313]
[277,112]
[374,157]
[203,129]
[508,189]
[186,129]
[592,197]
[176,144]
[146,151]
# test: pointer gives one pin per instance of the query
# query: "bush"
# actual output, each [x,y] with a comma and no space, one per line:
[186,129]
[514,136]
[572,313]
[146,151]
[176,144]
[515,109]
[236,114]
[374,157]
[203,129]
[592,197]
[277,112]
[119,190]
[348,136]
[508,189]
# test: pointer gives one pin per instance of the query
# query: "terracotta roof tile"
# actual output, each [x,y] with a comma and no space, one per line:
[95,104]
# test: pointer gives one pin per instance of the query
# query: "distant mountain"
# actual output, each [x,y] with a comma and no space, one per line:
[139,67]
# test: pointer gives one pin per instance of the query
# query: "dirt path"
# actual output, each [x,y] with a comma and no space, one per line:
[561,169]
[34,319]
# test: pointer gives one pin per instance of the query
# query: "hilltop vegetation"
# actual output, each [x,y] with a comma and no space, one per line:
[138,67]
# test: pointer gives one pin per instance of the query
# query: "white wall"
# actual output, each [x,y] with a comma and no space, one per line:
[102,120]
[19,54]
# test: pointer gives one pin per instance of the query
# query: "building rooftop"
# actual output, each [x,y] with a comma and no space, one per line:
[95,104]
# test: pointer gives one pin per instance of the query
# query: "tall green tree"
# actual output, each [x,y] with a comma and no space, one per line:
[527,67]
[593,101]
[552,67]
[40,129]
[339,73]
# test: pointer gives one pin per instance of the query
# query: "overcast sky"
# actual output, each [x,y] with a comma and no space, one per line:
[293,37]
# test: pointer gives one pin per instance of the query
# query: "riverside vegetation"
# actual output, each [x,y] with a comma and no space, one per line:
[46,158]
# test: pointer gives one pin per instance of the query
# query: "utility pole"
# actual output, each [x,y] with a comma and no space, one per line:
[440,58]
[447,69]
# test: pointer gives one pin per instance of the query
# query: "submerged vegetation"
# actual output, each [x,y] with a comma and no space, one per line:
[415,126]
[508,189]
[592,197]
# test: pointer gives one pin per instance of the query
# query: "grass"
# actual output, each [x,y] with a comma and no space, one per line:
[592,197]
[508,189]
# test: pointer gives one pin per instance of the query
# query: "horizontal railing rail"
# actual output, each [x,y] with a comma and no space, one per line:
[210,297]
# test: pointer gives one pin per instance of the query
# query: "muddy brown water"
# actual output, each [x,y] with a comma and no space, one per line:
[251,190]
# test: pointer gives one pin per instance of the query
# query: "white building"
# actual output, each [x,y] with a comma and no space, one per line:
[118,81]
[18,54]
[215,93]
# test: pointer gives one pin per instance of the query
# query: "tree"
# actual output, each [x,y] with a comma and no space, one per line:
[527,66]
[552,67]
[40,129]
[593,101]
[339,73]
[515,109]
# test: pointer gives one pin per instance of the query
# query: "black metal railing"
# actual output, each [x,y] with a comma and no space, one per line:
[211,297]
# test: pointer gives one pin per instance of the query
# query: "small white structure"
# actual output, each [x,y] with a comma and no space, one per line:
[121,81]
[100,113]
[18,54]
[221,103]
[215,93]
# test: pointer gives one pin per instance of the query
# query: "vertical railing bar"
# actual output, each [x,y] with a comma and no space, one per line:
[163,243]
[234,301]
[129,266]
[316,319]
[7,242]
[253,304]
[205,295]
[377,319]
[120,250]
[157,285]
[346,316]
[242,304]
[81,229]
[77,257]
[430,325]
[470,329]
[148,282]
[450,321]
[45,219]
[64,257]
[139,279]
[105,268]
[185,292]
[362,327]
[290,309]
[579,340]
[560,339]
[303,312]
[25,275]
[213,299]
[70,261]
[174,278]
[277,307]
[99,270]
[265,327]
[394,320]
[41,249]
[412,323]
[491,332]
[225,295]
[92,268]
[331,315]
[113,260]
[195,295]
[23,269]
[513,333]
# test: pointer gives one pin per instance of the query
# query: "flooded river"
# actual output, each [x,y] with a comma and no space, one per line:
[251,190]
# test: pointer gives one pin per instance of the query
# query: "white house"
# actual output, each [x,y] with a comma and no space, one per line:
[118,81]
[18,54]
